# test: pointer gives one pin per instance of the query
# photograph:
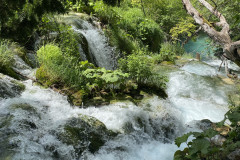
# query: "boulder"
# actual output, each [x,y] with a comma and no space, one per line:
[85,133]
[10,87]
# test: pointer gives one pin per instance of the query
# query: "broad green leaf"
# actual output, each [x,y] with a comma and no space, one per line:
[182,139]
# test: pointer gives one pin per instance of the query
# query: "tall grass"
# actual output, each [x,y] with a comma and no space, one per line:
[6,53]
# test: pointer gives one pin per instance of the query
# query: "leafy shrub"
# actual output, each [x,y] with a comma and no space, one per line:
[203,146]
[184,29]
[62,66]
[140,68]
[105,13]
[168,52]
[122,40]
[100,78]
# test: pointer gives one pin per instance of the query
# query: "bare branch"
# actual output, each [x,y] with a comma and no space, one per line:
[231,49]
[223,23]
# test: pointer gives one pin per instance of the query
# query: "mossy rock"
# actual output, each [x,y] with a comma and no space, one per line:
[96,101]
[77,98]
[10,87]
[25,107]
[167,63]
[43,77]
[85,133]
[165,70]
[75,19]
[7,70]
[182,61]
[85,49]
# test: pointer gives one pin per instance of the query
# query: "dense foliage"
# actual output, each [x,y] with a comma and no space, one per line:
[18,19]
[129,27]
[59,67]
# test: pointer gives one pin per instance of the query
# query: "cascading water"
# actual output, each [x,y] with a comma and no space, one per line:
[96,48]
[40,123]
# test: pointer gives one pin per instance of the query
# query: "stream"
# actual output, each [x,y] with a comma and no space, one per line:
[32,123]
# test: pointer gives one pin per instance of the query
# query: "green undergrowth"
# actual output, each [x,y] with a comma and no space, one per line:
[8,50]
[129,27]
[82,81]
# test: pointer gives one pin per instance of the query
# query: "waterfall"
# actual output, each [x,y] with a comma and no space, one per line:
[97,50]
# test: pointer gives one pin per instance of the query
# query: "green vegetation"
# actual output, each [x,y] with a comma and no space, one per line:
[128,26]
[7,51]
[59,67]
[19,19]
[147,35]
[168,52]
[140,68]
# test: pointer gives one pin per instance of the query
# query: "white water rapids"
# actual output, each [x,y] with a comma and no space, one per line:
[146,132]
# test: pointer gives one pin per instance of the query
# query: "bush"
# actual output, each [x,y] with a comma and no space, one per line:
[168,52]
[140,68]
[60,66]
[59,33]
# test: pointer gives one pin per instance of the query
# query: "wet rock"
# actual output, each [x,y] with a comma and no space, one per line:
[235,155]
[96,101]
[180,62]
[204,124]
[218,140]
[24,106]
[85,133]
[32,59]
[77,98]
[167,63]
[10,87]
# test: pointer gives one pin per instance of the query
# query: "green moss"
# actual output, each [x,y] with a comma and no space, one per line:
[77,98]
[85,133]
[19,84]
[43,77]
[7,70]
[24,106]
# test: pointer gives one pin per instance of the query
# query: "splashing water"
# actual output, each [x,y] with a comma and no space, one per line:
[31,122]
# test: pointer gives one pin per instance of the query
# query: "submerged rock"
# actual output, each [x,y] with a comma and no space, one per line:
[10,87]
[85,133]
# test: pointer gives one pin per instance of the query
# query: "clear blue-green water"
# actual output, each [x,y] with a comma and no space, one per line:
[202,45]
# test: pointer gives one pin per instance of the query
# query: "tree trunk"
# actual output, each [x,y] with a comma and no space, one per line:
[230,48]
